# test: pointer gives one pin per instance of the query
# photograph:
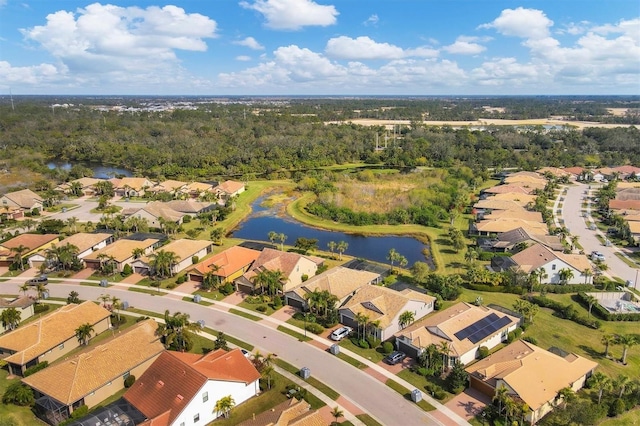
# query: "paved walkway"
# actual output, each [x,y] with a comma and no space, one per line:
[469,403]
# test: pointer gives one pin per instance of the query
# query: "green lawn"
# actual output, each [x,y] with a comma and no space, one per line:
[244,315]
[21,415]
[627,419]
[420,382]
[407,395]
[254,307]
[301,337]
[374,355]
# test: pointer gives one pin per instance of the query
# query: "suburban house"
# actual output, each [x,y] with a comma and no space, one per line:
[341,282]
[155,212]
[530,373]
[554,171]
[120,252]
[23,304]
[228,189]
[628,172]
[288,413]
[516,188]
[292,265]
[227,265]
[522,214]
[505,224]
[190,206]
[87,185]
[85,242]
[168,186]
[463,327]
[196,189]
[32,242]
[182,388]
[524,199]
[539,256]
[488,205]
[51,336]
[624,204]
[131,186]
[94,375]
[575,173]
[184,249]
[507,241]
[22,201]
[383,307]
[527,180]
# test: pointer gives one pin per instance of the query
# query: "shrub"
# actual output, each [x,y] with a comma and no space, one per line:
[421,370]
[315,328]
[34,369]
[171,286]
[387,348]
[618,407]
[261,308]
[483,352]
[194,260]
[186,219]
[80,412]
[511,337]
[530,339]
[277,302]
[40,308]
[139,319]
[304,277]
[126,271]
[18,394]
[363,344]
[227,289]
[181,279]
[373,342]
[129,381]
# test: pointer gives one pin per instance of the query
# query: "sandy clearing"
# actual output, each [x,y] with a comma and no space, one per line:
[483,122]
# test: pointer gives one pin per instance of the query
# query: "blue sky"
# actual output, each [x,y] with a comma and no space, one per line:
[320,47]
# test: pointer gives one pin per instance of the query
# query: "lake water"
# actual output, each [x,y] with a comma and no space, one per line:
[263,220]
[99,171]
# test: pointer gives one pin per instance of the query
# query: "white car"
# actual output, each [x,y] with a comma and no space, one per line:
[596,255]
[340,333]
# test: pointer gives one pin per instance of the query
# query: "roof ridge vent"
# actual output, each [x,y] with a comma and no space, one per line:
[160,383]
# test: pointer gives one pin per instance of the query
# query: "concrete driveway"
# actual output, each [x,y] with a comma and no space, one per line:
[371,395]
[469,403]
[578,225]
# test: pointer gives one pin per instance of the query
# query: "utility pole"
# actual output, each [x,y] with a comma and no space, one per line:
[13,108]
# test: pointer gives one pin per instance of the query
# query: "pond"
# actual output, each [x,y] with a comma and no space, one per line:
[99,171]
[263,220]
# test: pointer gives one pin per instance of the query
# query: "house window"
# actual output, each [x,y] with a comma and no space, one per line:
[109,384]
[126,375]
[553,267]
[196,418]
[181,423]
[61,346]
[205,397]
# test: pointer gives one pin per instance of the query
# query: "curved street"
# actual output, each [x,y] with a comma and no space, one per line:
[579,225]
[371,395]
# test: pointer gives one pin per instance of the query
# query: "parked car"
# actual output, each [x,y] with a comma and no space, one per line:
[246,353]
[394,357]
[38,280]
[340,333]
[596,255]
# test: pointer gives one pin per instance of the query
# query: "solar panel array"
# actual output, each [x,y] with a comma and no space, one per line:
[482,328]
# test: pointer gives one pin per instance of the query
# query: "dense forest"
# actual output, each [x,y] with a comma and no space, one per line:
[245,138]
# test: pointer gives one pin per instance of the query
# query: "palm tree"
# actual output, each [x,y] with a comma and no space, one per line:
[607,340]
[574,241]
[331,245]
[116,304]
[337,413]
[392,256]
[10,318]
[41,289]
[342,247]
[587,274]
[565,395]
[501,397]
[600,382]
[282,237]
[162,263]
[137,252]
[626,340]
[211,279]
[273,235]
[471,255]
[620,383]
[19,253]
[565,275]
[72,224]
[83,333]
[28,224]
[445,350]
[361,320]
[177,331]
[542,274]
[24,288]
[406,318]
[591,300]
[224,405]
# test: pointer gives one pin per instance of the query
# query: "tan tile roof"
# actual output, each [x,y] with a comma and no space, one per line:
[526,180]
[627,169]
[20,302]
[628,193]
[554,171]
[288,413]
[624,204]
[578,261]
[626,185]
[229,261]
[274,260]
[168,186]
[160,209]
[230,186]
[494,204]
[538,255]
[135,183]
[574,170]
[34,339]
[199,186]
[31,241]
[338,281]
[534,374]
[515,214]
[188,206]
[183,248]
[448,322]
[381,303]
[519,198]
[82,240]
[525,174]
[634,227]
[121,250]
[25,198]
[74,378]
[157,391]
[507,224]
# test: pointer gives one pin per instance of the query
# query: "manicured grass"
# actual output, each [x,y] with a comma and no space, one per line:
[147,291]
[145,313]
[372,355]
[407,395]
[202,302]
[213,294]
[231,339]
[21,415]
[200,343]
[351,361]
[627,419]
[368,420]
[311,380]
[301,337]
[57,208]
[420,382]
[91,284]
[254,306]
[629,262]
[300,324]
[115,278]
[244,315]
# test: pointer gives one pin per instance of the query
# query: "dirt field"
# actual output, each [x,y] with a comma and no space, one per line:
[483,122]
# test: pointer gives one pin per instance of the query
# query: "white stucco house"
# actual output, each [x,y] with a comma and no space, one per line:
[184,249]
[540,257]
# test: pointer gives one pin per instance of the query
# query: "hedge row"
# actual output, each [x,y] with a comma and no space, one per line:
[603,313]
[496,289]
[564,289]
[565,311]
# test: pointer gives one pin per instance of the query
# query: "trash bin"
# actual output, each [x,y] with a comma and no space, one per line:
[416,395]
[305,373]
[103,283]
[334,349]
[197,298]
[201,323]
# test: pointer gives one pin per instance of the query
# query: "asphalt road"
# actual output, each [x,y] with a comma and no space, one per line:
[578,225]
[371,395]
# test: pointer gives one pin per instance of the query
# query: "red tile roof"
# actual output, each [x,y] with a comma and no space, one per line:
[231,366]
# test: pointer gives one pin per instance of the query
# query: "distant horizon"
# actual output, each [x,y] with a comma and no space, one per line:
[309,48]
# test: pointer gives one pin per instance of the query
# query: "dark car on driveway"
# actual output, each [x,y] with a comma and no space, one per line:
[394,357]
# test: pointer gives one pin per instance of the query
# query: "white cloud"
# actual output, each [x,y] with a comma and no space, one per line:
[508,72]
[293,14]
[243,58]
[575,28]
[106,43]
[371,20]
[521,22]
[33,75]
[249,42]
[465,45]
[363,48]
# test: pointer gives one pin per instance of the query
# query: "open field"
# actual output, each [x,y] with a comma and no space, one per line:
[484,122]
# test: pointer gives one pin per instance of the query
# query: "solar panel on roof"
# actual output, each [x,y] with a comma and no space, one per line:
[489,329]
[482,328]
[478,325]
